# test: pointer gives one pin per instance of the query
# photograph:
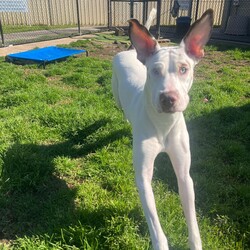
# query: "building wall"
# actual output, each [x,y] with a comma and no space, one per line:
[95,12]
[58,12]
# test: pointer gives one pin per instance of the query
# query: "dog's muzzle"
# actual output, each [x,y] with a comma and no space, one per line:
[168,101]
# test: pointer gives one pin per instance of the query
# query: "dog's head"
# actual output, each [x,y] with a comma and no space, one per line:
[170,69]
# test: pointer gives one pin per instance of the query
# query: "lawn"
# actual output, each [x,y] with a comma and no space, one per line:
[67,180]
[8,29]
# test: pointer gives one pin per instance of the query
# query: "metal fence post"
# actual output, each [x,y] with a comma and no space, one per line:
[109,14]
[131,8]
[197,9]
[78,17]
[190,8]
[158,18]
[50,14]
[1,31]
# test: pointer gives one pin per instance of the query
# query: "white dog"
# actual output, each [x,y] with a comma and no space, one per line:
[151,86]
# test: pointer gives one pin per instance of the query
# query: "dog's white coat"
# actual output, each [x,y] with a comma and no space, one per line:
[157,126]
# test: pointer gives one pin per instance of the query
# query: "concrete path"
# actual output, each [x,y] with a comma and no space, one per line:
[19,48]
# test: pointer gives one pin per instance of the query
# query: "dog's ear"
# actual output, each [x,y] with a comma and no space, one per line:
[144,43]
[198,35]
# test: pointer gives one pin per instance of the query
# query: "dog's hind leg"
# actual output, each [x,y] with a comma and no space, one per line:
[115,89]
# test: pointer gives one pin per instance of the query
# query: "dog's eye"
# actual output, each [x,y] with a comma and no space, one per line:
[156,71]
[183,70]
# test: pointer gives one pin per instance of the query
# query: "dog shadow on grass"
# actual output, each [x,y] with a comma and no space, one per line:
[220,145]
[34,199]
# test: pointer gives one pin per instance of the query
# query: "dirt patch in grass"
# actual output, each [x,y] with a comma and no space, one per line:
[107,50]
[106,46]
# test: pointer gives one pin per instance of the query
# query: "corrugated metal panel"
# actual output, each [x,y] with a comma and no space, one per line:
[95,12]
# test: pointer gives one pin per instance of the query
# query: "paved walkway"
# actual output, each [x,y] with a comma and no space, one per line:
[19,48]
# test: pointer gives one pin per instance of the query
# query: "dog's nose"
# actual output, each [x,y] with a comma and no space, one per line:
[168,101]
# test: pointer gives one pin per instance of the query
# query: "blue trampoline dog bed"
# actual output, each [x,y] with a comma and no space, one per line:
[43,56]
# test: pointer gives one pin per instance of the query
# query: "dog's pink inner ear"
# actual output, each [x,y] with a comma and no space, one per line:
[194,47]
[198,35]
[143,42]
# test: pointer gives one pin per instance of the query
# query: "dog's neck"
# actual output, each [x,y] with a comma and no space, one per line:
[161,121]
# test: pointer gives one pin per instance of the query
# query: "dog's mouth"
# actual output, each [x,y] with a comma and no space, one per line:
[169,110]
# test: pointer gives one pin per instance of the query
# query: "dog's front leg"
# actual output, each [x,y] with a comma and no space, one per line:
[179,153]
[144,154]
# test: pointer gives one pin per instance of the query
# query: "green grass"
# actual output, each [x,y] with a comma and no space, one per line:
[67,180]
[24,28]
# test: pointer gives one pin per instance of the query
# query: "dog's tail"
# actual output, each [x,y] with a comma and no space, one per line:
[151,18]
